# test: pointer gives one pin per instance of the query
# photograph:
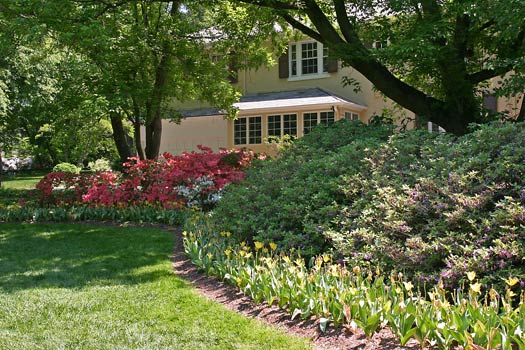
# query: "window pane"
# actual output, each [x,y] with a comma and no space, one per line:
[309,122]
[351,116]
[309,58]
[239,131]
[327,118]
[255,130]
[290,124]
[274,125]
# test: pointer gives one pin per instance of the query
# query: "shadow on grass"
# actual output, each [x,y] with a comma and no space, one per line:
[76,256]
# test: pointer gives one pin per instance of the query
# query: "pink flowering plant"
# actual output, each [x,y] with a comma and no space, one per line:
[58,188]
[169,182]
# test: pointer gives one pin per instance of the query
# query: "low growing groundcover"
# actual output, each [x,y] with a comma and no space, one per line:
[66,286]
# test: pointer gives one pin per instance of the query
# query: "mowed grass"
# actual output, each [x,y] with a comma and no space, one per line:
[19,186]
[22,181]
[90,287]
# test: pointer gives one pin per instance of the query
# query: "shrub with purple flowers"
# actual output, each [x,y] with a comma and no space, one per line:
[436,207]
[433,206]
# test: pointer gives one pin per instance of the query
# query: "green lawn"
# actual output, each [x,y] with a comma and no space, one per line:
[22,181]
[85,287]
[18,187]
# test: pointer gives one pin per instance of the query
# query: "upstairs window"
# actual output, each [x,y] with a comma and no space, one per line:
[306,60]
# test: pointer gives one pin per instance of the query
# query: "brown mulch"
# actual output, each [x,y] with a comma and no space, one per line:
[229,296]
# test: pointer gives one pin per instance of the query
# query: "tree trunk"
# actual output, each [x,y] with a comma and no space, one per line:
[154,105]
[153,137]
[153,118]
[521,114]
[121,138]
[138,139]
[135,119]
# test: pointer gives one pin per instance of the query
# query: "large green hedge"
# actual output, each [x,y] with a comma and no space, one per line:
[294,199]
[431,205]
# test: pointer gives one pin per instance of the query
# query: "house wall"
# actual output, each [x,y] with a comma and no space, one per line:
[217,132]
[271,149]
[211,131]
[510,105]
[267,79]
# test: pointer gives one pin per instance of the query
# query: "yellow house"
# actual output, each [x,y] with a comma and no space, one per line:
[303,90]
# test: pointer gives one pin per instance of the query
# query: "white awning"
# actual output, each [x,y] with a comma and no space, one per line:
[296,99]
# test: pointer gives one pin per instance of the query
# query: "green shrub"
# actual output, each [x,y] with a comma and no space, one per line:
[66,168]
[144,214]
[437,207]
[431,205]
[294,198]
[99,165]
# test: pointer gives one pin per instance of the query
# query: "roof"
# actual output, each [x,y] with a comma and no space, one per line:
[201,112]
[282,100]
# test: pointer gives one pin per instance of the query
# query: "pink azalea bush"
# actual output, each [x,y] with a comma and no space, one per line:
[61,187]
[192,179]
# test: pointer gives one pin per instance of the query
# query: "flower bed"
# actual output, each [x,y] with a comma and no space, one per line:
[134,214]
[170,182]
[475,317]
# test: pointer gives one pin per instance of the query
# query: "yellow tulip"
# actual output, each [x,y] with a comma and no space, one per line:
[512,281]
[273,246]
[258,245]
[471,275]
[408,285]
[476,287]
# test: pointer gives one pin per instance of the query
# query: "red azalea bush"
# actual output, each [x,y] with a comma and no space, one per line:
[195,178]
[61,187]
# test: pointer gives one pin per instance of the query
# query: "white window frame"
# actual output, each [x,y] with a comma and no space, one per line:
[349,115]
[318,113]
[321,64]
[247,135]
[281,127]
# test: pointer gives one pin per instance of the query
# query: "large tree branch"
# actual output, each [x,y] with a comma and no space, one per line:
[347,29]
[301,27]
[321,22]
[485,74]
[355,54]
[461,30]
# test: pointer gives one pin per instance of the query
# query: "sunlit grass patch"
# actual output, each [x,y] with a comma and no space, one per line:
[84,287]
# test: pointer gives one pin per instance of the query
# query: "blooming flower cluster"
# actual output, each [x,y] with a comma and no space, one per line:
[355,297]
[170,182]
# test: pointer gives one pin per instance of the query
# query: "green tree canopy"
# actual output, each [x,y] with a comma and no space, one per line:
[136,57]
[439,55]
